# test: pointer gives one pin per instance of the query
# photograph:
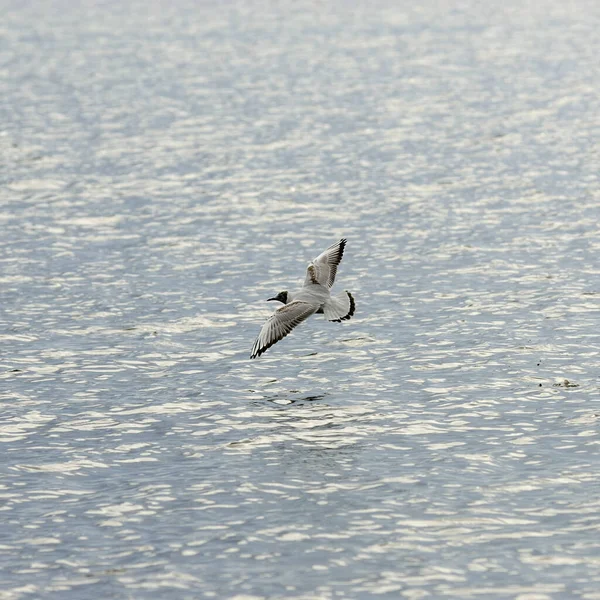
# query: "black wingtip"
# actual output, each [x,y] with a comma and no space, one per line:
[350,313]
[352,307]
[258,351]
[342,246]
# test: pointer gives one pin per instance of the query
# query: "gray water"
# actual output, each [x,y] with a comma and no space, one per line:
[166,167]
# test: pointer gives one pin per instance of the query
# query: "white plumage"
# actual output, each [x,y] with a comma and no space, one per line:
[313,297]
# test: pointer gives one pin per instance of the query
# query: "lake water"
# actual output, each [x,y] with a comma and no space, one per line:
[167,167]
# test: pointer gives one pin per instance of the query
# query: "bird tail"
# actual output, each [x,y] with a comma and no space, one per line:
[339,308]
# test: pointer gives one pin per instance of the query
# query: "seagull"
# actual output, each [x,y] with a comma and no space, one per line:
[313,297]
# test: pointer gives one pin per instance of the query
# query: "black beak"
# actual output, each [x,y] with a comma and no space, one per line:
[269,299]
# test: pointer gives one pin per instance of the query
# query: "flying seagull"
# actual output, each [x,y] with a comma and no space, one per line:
[313,297]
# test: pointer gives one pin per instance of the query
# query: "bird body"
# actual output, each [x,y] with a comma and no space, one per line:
[313,297]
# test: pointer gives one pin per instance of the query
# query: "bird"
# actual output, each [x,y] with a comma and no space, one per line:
[313,297]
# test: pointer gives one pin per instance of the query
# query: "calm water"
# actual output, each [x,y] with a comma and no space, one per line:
[166,167]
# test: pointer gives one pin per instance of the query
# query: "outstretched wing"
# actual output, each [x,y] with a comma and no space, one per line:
[322,270]
[280,323]
[340,308]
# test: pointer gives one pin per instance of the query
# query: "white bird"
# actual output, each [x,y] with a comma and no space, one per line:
[313,297]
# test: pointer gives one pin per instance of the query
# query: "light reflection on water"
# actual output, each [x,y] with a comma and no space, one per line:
[161,183]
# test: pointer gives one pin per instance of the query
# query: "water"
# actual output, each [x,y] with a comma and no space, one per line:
[166,168]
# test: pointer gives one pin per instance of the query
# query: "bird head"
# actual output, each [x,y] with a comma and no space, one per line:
[281,297]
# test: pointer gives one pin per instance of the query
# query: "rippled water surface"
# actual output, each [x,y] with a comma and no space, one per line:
[166,167]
